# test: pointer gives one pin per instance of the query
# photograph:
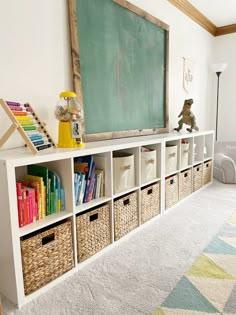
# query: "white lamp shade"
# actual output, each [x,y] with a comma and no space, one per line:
[219,67]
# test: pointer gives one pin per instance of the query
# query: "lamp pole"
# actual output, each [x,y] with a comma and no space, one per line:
[218,73]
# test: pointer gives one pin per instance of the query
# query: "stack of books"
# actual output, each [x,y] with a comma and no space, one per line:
[39,194]
[89,180]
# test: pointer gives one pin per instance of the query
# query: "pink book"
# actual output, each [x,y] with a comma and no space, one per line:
[31,197]
[20,205]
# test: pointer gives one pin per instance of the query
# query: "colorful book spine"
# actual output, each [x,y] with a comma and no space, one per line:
[42,171]
[20,205]
[82,189]
[31,201]
[91,184]
[26,206]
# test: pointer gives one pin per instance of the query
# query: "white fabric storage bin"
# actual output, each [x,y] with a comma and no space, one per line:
[123,171]
[171,158]
[148,165]
[184,154]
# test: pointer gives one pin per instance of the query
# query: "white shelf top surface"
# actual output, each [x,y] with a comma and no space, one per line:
[23,156]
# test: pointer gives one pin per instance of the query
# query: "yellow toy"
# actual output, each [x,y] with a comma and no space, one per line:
[69,113]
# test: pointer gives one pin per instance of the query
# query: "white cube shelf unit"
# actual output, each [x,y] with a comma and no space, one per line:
[13,165]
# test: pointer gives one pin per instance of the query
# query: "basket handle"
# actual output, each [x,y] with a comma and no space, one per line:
[47,239]
[93,217]
[126,167]
[172,154]
[149,192]
[186,174]
[126,202]
[151,161]
[172,182]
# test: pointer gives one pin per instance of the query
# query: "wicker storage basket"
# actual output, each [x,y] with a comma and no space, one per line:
[172,191]
[125,214]
[46,256]
[207,169]
[185,183]
[197,177]
[150,202]
[93,231]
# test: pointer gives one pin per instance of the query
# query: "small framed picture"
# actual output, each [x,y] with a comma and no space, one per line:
[75,129]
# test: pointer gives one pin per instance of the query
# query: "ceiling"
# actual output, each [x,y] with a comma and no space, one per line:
[219,12]
[218,17]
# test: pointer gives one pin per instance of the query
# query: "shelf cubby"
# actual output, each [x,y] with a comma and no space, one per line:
[169,188]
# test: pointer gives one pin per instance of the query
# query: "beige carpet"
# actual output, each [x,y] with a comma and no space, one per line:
[137,274]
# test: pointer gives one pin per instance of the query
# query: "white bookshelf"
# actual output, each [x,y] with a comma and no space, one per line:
[13,165]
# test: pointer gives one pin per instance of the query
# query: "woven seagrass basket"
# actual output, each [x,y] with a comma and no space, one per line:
[207,169]
[93,231]
[172,191]
[150,202]
[185,183]
[125,214]
[46,256]
[197,177]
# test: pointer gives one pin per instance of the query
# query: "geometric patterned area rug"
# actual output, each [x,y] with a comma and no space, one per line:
[209,286]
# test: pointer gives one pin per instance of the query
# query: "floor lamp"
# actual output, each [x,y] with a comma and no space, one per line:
[218,68]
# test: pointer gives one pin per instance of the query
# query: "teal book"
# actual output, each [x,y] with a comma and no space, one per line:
[63,200]
[76,186]
[58,192]
[41,171]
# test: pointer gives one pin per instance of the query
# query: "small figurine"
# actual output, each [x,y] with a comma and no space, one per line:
[187,117]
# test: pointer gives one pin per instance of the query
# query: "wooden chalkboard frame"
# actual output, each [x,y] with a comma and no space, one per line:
[77,80]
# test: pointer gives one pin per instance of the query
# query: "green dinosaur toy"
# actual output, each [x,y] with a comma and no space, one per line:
[187,117]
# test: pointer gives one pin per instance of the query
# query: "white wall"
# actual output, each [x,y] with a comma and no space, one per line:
[189,40]
[35,64]
[225,51]
[35,58]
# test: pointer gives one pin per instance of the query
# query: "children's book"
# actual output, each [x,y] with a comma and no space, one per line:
[91,184]
[30,193]
[100,182]
[25,206]
[42,171]
[58,191]
[63,201]
[82,189]
[41,194]
[20,204]
[37,198]
[84,164]
[53,196]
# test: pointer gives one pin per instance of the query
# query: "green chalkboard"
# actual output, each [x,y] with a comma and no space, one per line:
[123,69]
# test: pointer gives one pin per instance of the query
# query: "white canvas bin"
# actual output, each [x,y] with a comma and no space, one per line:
[184,154]
[123,171]
[148,166]
[171,158]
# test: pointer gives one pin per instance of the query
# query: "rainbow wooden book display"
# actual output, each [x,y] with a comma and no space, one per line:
[28,125]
